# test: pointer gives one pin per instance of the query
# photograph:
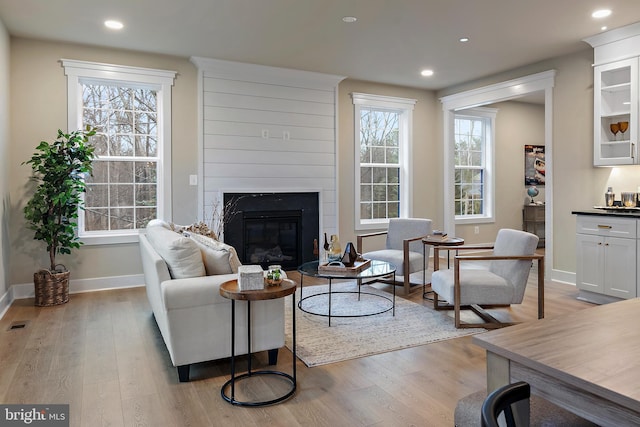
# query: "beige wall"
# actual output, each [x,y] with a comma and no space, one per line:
[4,160]
[517,124]
[38,107]
[427,152]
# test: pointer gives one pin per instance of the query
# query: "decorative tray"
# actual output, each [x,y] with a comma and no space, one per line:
[618,208]
[358,266]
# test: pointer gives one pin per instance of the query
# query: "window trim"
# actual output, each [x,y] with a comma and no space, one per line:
[78,72]
[489,168]
[404,107]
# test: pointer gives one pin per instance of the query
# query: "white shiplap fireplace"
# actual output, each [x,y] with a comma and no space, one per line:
[266,130]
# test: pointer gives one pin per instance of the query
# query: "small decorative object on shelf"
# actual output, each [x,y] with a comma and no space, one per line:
[532,192]
[274,275]
[609,197]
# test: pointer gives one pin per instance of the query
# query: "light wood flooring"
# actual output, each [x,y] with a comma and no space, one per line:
[103,354]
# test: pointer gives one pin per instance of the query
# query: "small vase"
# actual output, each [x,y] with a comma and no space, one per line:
[335,251]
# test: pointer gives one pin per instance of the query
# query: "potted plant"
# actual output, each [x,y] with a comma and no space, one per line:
[59,170]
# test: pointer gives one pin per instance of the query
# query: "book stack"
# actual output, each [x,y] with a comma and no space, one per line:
[438,233]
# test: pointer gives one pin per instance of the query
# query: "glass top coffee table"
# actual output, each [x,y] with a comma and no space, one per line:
[375,269]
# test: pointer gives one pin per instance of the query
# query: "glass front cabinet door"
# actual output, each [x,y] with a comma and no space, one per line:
[616,113]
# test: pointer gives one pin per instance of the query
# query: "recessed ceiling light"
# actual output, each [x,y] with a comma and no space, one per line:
[349,19]
[464,39]
[114,25]
[602,13]
[426,73]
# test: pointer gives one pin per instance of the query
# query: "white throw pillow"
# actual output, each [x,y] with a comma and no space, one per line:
[182,255]
[233,260]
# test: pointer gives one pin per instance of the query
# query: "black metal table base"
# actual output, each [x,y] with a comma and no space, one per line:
[235,380]
[391,307]
[330,293]
[231,384]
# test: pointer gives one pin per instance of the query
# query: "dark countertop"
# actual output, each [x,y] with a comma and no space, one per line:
[633,214]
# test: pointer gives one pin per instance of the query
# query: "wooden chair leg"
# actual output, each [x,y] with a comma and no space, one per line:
[540,288]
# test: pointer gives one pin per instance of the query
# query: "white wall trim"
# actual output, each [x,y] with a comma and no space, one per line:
[488,95]
[499,92]
[265,74]
[5,302]
[26,290]
[562,276]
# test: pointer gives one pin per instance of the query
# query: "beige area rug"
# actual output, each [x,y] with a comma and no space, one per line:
[317,343]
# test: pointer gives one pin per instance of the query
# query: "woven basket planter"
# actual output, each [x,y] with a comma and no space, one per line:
[51,288]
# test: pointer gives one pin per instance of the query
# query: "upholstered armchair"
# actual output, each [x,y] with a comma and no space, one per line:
[403,248]
[501,283]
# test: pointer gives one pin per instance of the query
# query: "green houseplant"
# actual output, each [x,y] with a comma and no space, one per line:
[59,169]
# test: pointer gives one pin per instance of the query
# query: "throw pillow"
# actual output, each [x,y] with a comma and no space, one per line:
[234,260]
[216,261]
[182,255]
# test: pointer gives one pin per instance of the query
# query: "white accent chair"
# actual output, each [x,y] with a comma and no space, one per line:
[403,249]
[501,284]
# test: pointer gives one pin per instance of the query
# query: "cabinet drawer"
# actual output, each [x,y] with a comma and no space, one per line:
[605,226]
[534,213]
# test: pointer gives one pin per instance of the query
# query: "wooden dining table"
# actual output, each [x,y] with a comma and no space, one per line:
[587,362]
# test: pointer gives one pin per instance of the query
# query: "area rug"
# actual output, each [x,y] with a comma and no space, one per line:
[317,343]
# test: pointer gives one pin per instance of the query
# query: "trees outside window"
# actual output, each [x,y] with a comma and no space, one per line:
[383,145]
[473,157]
[130,184]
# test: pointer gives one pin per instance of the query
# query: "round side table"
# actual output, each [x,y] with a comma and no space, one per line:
[449,243]
[231,291]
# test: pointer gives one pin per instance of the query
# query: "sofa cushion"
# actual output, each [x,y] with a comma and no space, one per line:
[215,250]
[182,255]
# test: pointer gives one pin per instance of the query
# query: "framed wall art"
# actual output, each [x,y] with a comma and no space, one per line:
[534,165]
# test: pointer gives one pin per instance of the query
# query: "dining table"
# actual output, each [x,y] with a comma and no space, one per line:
[587,362]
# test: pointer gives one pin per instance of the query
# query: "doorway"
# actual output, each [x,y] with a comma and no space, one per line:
[505,91]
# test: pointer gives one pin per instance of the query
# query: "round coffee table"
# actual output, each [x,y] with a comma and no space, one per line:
[231,291]
[375,269]
[449,243]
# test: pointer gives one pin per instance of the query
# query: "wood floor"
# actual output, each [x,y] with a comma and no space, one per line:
[103,354]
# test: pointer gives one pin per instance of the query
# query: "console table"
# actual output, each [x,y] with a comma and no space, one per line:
[533,221]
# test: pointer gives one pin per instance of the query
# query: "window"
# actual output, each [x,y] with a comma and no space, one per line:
[130,184]
[382,152]
[473,157]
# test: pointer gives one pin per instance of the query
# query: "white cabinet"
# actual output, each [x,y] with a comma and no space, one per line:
[616,113]
[615,90]
[606,251]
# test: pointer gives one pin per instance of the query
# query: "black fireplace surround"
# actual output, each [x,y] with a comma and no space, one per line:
[272,228]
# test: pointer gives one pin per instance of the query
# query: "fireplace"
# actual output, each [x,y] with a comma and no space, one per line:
[272,228]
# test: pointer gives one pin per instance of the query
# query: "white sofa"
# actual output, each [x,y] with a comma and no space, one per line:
[195,321]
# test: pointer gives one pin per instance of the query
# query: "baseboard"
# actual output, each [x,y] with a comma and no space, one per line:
[25,290]
[563,276]
[5,302]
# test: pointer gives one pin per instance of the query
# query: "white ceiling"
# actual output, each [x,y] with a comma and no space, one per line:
[390,42]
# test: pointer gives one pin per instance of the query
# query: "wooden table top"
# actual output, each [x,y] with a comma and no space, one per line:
[596,349]
[230,290]
[440,241]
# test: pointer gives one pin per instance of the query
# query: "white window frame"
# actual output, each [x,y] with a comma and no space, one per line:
[404,107]
[489,117]
[161,81]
